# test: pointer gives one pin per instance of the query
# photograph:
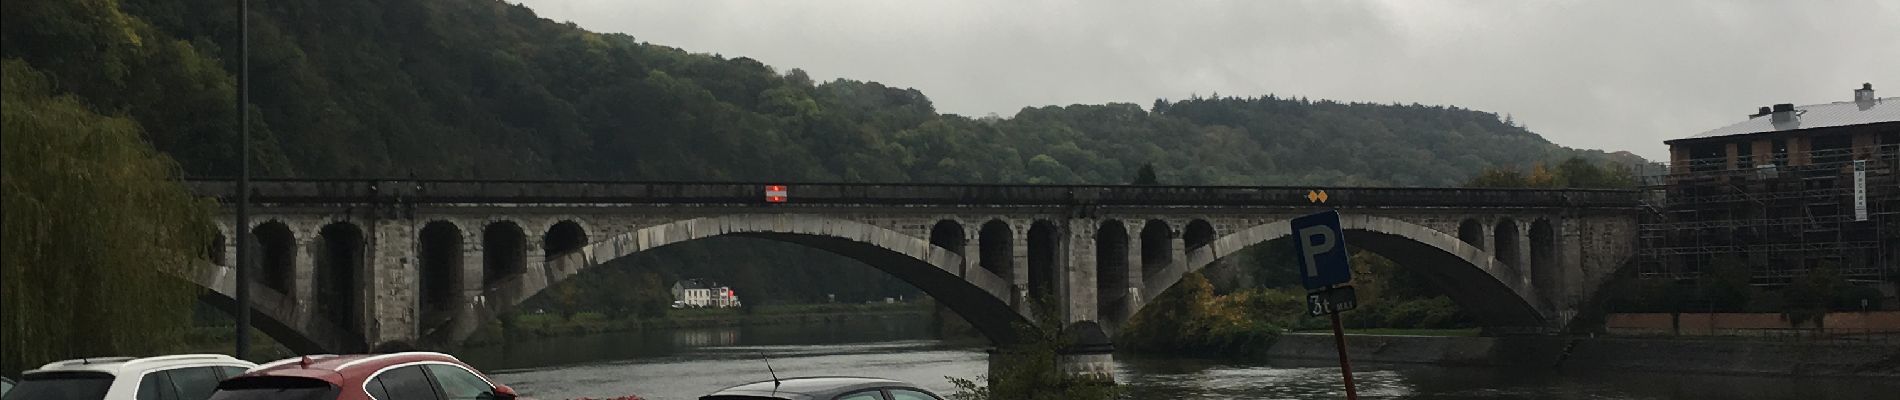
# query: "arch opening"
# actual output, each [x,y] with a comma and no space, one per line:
[980,298]
[1472,233]
[274,314]
[503,252]
[277,256]
[1470,277]
[337,275]
[948,234]
[1044,252]
[562,238]
[215,251]
[1198,234]
[1111,270]
[1505,237]
[439,278]
[997,243]
[1544,255]
[1157,246]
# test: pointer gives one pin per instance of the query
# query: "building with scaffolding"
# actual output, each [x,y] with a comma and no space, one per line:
[1789,190]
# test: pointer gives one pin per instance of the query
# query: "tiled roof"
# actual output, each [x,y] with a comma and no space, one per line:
[1816,116]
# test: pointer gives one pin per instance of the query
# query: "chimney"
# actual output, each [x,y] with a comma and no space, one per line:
[1758,113]
[1865,94]
[1783,112]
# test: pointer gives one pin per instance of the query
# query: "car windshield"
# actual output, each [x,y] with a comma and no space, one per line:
[62,386]
[274,388]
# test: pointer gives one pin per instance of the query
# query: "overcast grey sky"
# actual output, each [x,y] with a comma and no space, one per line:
[1615,75]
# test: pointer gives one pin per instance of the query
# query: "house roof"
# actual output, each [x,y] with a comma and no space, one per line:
[694,284]
[1836,114]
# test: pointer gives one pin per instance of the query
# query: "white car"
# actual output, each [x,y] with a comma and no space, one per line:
[179,377]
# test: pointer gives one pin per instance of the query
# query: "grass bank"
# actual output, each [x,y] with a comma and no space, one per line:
[1456,332]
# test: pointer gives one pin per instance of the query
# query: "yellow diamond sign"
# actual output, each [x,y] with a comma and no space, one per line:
[1316,196]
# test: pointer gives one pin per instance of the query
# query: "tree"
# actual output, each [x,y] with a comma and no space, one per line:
[98,230]
[1541,177]
[1146,175]
[1498,177]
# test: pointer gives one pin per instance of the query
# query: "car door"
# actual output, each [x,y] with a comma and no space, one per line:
[402,383]
[457,383]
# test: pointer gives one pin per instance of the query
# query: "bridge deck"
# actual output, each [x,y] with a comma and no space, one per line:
[592,192]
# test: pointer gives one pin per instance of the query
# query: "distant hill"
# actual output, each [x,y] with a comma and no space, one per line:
[485,89]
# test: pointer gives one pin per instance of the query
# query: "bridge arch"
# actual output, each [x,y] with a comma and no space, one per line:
[996,243]
[504,251]
[1472,232]
[1475,279]
[948,234]
[1111,269]
[277,249]
[303,330]
[1045,252]
[978,295]
[440,275]
[562,237]
[1505,242]
[1157,246]
[337,272]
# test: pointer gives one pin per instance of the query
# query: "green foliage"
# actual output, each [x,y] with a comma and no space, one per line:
[1146,175]
[96,225]
[1190,319]
[1031,370]
[1575,172]
[1811,295]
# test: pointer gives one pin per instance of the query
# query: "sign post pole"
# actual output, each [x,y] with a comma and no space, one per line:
[1325,270]
[1345,366]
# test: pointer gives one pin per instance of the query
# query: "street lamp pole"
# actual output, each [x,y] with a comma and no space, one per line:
[243,263]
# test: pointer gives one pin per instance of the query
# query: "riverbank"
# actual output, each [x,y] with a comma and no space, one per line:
[529,326]
[1751,357]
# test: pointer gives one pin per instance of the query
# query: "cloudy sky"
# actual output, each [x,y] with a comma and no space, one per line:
[1617,75]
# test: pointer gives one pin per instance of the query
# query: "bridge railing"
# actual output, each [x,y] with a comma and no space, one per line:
[470,191]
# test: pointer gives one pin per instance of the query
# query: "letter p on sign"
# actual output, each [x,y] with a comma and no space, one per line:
[1321,245]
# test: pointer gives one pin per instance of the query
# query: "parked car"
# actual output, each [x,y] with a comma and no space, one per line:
[395,376]
[825,388]
[181,377]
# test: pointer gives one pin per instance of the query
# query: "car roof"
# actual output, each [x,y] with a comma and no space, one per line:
[821,387]
[118,365]
[336,368]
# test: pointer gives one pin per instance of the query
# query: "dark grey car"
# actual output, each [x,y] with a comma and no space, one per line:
[825,388]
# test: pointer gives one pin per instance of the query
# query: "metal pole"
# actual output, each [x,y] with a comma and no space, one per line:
[1345,366]
[243,197]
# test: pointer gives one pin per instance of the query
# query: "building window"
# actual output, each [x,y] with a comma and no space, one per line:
[1833,150]
[1780,152]
[1707,157]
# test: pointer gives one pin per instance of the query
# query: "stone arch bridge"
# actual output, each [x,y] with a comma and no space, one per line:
[346,264]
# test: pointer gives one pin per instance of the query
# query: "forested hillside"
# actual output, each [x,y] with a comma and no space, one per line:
[486,89]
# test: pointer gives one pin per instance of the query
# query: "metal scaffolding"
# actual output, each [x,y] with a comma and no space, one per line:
[1782,216]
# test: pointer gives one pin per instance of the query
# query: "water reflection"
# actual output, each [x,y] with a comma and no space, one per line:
[684,364]
[705,337]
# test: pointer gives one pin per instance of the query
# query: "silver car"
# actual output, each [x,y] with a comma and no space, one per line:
[825,388]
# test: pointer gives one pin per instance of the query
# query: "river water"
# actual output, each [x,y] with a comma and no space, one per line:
[683,364]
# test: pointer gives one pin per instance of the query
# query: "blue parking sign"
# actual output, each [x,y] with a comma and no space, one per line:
[1320,245]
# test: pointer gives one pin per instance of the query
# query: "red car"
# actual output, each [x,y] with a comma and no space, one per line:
[397,376]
